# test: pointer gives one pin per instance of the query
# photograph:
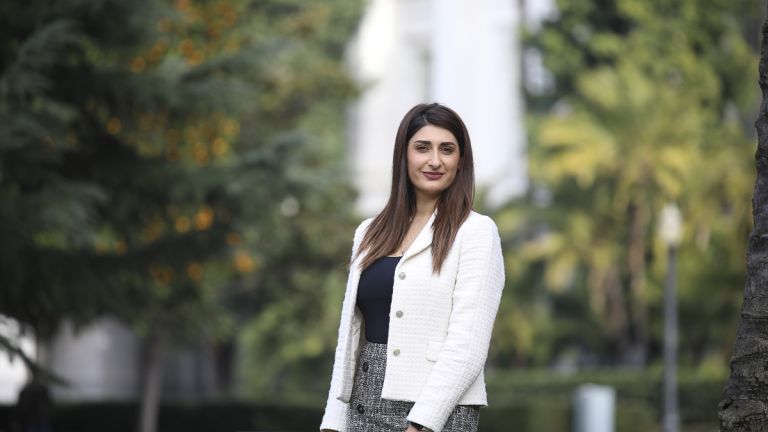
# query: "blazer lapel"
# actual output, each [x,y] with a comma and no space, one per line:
[354,275]
[422,241]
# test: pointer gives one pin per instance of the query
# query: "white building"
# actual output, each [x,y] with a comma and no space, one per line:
[465,54]
[13,373]
[99,362]
[102,361]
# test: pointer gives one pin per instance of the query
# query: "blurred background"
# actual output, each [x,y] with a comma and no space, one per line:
[180,181]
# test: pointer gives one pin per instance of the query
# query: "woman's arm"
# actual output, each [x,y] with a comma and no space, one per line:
[335,415]
[476,296]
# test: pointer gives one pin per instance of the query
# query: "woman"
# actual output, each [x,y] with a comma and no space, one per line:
[423,290]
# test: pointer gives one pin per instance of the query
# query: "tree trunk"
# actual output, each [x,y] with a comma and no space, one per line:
[745,401]
[607,300]
[151,381]
[638,304]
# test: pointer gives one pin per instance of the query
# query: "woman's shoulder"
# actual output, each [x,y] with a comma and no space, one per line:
[363,226]
[360,230]
[479,222]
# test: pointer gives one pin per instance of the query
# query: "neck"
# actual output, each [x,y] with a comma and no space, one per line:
[425,205]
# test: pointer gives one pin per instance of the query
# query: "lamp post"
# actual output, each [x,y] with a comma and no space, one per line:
[671,233]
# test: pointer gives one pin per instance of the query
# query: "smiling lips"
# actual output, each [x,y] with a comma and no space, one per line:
[432,175]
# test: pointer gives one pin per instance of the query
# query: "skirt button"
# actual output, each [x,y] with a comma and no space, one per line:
[360,409]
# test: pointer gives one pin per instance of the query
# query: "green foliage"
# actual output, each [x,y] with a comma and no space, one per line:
[651,104]
[176,164]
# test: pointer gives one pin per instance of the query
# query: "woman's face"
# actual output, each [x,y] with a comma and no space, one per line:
[433,160]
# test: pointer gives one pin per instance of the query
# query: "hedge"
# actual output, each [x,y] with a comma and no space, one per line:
[520,402]
[223,416]
[536,414]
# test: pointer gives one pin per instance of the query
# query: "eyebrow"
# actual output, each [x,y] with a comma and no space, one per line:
[430,142]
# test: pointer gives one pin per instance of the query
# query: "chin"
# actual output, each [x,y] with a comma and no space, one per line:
[432,191]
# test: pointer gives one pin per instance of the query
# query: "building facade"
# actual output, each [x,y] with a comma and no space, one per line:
[466,55]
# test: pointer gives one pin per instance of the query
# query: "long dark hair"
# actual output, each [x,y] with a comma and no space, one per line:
[388,229]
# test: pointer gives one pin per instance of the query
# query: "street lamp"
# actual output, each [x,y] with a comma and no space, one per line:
[671,233]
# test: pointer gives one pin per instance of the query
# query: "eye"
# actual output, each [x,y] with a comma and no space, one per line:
[447,148]
[421,148]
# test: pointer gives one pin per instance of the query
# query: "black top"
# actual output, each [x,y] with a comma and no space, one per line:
[374,297]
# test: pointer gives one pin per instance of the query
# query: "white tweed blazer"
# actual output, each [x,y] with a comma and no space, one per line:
[439,330]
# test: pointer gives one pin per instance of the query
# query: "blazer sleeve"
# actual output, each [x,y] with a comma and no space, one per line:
[476,297]
[335,415]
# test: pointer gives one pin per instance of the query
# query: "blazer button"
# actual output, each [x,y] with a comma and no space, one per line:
[399,314]
[365,366]
[360,409]
[396,352]
[401,275]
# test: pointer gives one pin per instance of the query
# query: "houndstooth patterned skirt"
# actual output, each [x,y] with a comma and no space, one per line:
[368,412]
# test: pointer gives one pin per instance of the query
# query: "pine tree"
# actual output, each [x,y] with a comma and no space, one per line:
[157,156]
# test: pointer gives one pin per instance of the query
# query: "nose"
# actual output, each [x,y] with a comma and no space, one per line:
[434,160]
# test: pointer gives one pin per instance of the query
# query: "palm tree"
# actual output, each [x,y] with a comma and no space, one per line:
[745,398]
[627,140]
